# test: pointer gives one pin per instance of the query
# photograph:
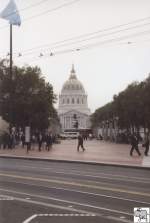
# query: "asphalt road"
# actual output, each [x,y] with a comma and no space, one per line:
[45,192]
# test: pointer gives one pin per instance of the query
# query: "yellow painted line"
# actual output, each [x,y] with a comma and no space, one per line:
[76,184]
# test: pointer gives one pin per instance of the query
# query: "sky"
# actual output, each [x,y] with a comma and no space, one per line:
[108,41]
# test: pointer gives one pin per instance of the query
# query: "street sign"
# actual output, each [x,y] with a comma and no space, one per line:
[27,134]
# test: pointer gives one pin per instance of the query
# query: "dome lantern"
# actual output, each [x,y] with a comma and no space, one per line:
[72,73]
[73,85]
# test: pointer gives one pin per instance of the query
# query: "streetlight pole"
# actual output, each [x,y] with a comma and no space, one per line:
[11,78]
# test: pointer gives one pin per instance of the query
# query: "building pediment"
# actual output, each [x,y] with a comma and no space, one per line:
[72,112]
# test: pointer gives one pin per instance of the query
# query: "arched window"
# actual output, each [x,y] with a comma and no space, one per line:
[72,100]
[63,101]
[82,101]
[68,100]
[78,101]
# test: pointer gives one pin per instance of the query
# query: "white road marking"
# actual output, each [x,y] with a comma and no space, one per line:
[84,192]
[104,175]
[30,218]
[67,215]
[64,201]
[57,215]
[119,219]
[6,198]
[123,217]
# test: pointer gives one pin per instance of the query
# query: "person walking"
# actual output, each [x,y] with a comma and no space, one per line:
[48,141]
[146,145]
[40,141]
[134,144]
[80,142]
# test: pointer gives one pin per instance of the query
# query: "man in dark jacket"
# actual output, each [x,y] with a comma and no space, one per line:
[146,145]
[48,141]
[80,142]
[134,144]
[40,141]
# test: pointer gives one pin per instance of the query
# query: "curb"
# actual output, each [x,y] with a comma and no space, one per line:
[74,161]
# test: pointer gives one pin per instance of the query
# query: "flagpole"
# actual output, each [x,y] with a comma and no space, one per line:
[11,51]
[11,75]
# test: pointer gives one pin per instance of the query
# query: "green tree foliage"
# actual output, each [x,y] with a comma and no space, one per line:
[131,107]
[26,99]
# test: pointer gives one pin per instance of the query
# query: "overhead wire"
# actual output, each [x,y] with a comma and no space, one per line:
[59,45]
[89,34]
[83,40]
[64,43]
[23,9]
[88,46]
[44,12]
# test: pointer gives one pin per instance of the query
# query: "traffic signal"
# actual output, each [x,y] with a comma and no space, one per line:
[76,124]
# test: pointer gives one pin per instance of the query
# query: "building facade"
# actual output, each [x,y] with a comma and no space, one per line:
[73,108]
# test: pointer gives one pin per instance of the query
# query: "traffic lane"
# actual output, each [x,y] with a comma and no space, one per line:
[15,211]
[98,211]
[46,170]
[74,219]
[81,174]
[129,193]
[79,200]
[140,188]
[60,190]
[77,168]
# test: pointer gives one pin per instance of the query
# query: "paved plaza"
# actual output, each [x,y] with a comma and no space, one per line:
[96,152]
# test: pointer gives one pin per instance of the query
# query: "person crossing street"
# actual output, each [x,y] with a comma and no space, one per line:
[80,142]
[134,144]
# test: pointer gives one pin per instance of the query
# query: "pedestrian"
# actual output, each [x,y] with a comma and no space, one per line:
[48,141]
[134,144]
[11,140]
[80,142]
[23,139]
[5,140]
[33,141]
[40,141]
[146,144]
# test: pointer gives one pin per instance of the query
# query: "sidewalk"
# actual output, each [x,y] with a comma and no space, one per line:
[96,152]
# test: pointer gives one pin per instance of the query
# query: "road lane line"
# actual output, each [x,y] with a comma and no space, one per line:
[76,184]
[82,192]
[75,171]
[46,204]
[30,218]
[64,201]
[129,179]
[57,215]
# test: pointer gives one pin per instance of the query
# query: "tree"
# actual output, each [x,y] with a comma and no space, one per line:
[30,97]
[131,107]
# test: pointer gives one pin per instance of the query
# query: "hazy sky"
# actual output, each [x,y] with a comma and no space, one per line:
[107,60]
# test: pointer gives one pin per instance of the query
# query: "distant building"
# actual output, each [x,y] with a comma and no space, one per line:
[73,108]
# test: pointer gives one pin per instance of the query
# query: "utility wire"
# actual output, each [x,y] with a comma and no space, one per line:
[92,33]
[54,45]
[147,32]
[51,10]
[45,12]
[33,50]
[88,46]
[26,8]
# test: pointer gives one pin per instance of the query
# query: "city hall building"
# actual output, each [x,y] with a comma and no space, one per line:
[73,108]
